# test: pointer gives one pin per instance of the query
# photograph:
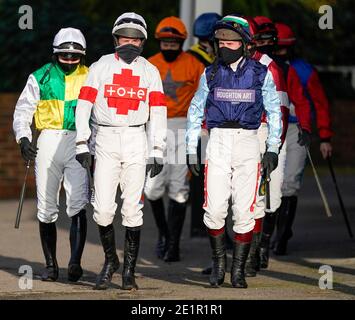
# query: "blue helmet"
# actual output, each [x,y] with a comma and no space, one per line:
[204,25]
[236,23]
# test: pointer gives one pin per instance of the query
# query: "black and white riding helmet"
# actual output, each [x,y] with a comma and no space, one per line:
[69,40]
[130,25]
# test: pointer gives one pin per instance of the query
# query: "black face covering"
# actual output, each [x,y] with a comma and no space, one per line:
[128,52]
[65,56]
[170,55]
[229,56]
[67,67]
[267,49]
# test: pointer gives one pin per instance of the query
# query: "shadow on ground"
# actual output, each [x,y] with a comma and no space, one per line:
[316,239]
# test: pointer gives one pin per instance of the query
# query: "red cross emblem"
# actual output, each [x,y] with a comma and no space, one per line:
[124,93]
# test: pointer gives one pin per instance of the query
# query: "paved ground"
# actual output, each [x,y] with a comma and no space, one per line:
[318,241]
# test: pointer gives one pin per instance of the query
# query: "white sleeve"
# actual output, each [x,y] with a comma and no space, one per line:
[272,105]
[158,116]
[86,99]
[25,108]
[195,115]
[93,126]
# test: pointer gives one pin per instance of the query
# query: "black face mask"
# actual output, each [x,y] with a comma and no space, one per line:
[68,67]
[128,52]
[229,56]
[170,55]
[267,49]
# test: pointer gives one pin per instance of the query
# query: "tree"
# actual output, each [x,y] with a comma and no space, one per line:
[23,51]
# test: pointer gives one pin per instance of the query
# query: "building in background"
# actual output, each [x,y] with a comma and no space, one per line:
[191,9]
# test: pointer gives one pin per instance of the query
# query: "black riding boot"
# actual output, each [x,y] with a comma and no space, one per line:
[219,259]
[131,248]
[284,224]
[111,265]
[240,255]
[228,244]
[268,229]
[176,218]
[48,233]
[77,242]
[253,262]
[163,232]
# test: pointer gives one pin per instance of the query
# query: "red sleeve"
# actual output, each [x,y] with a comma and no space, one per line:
[88,93]
[297,97]
[278,76]
[157,99]
[285,113]
[279,80]
[321,105]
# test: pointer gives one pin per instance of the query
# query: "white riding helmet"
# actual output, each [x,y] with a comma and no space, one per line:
[69,40]
[130,25]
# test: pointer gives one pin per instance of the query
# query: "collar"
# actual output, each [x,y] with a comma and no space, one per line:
[235,65]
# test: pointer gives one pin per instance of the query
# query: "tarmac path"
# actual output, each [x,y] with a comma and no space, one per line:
[317,241]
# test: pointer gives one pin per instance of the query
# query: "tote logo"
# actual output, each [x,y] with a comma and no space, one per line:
[326,20]
[26,20]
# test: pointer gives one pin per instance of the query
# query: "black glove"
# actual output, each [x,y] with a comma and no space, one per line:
[28,151]
[155,166]
[84,159]
[304,138]
[269,161]
[194,164]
